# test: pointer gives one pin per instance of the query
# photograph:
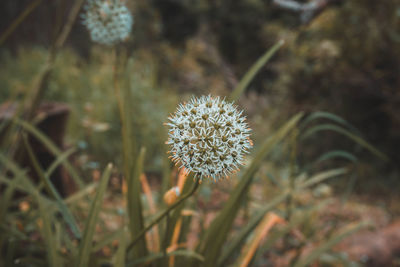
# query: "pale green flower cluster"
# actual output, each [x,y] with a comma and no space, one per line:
[108,21]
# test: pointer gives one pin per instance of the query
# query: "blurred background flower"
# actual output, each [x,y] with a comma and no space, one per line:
[108,21]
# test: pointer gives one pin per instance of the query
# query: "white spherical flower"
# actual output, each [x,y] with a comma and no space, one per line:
[209,137]
[108,21]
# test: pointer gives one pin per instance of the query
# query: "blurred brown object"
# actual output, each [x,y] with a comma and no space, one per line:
[51,120]
[379,248]
[308,10]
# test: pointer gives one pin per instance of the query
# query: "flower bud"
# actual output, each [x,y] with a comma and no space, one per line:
[171,195]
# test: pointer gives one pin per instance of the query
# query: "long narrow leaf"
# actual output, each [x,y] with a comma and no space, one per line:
[269,221]
[240,237]
[134,204]
[322,176]
[316,253]
[355,138]
[248,77]
[336,154]
[85,247]
[26,186]
[329,116]
[52,148]
[69,218]
[21,17]
[119,258]
[177,253]
[295,222]
[59,160]
[217,233]
[47,233]
[82,193]
[7,194]
[176,214]
[108,239]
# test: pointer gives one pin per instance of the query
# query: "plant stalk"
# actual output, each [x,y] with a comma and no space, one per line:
[163,214]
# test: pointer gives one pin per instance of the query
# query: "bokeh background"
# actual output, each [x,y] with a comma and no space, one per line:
[341,56]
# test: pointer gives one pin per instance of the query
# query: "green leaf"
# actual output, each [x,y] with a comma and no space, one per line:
[337,237]
[355,138]
[319,177]
[108,239]
[85,247]
[119,258]
[240,237]
[176,214]
[215,236]
[12,184]
[48,234]
[69,218]
[52,148]
[82,193]
[329,116]
[164,213]
[59,160]
[336,154]
[296,221]
[6,199]
[248,77]
[134,206]
[166,175]
[25,185]
[157,256]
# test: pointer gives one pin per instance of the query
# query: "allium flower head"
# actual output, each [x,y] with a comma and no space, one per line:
[108,21]
[209,137]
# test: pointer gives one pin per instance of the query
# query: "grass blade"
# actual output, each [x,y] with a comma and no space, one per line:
[336,154]
[119,258]
[269,221]
[176,214]
[316,253]
[238,240]
[322,176]
[52,148]
[69,218]
[214,238]
[85,248]
[154,242]
[157,256]
[134,204]
[108,239]
[47,233]
[20,181]
[355,138]
[82,193]
[59,160]
[248,77]
[163,213]
[326,115]
[10,29]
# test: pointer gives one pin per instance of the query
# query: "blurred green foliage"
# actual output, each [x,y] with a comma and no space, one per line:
[346,55]
[87,86]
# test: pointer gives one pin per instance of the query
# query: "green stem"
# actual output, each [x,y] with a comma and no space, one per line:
[163,214]
[293,154]
[165,241]
[28,10]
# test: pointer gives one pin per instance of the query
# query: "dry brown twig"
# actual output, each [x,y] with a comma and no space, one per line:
[40,82]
